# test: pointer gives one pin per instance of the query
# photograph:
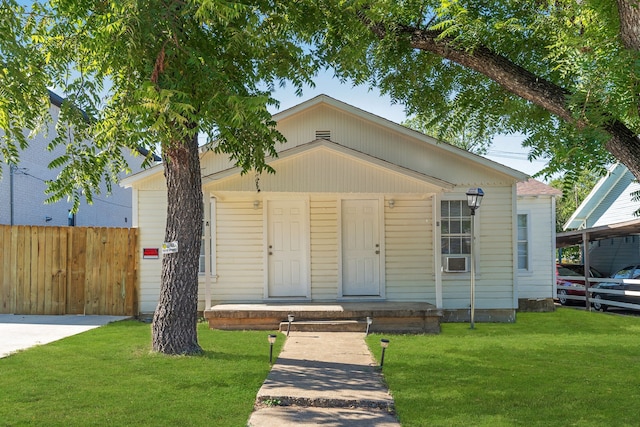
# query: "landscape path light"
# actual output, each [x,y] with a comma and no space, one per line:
[384,343]
[474,198]
[290,319]
[369,322]
[272,340]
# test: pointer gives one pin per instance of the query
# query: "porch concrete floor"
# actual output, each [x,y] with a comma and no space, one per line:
[416,317]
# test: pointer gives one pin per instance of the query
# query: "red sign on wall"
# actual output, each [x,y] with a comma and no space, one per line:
[150,253]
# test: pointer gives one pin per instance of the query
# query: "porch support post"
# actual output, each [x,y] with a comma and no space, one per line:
[437,252]
[207,250]
[585,257]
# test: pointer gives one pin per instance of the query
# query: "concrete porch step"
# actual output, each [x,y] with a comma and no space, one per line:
[325,326]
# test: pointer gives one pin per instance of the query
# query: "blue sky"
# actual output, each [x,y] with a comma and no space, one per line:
[507,149]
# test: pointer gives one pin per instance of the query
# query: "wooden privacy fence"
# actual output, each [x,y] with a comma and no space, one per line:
[68,270]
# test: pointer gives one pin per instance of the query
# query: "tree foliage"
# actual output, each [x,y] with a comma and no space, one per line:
[575,188]
[563,72]
[149,73]
[473,136]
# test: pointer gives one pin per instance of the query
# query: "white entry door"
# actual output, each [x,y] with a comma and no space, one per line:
[286,246]
[360,248]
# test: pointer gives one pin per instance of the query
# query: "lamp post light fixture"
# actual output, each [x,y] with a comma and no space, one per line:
[369,322]
[290,319]
[384,343]
[272,340]
[474,198]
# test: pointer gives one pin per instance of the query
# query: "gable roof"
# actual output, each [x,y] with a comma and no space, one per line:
[615,174]
[533,187]
[411,133]
[347,109]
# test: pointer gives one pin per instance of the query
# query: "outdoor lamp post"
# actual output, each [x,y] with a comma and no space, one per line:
[289,319]
[384,343]
[272,340]
[474,198]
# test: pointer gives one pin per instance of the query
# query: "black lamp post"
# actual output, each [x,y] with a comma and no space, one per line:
[474,198]
[272,340]
[384,343]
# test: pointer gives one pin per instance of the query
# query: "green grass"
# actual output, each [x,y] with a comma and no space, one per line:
[108,377]
[567,368]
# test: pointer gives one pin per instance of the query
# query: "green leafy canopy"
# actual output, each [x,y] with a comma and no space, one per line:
[145,74]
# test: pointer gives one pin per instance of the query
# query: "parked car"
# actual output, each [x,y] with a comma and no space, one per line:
[629,272]
[572,282]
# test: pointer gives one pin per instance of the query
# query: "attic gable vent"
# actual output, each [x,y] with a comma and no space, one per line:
[323,134]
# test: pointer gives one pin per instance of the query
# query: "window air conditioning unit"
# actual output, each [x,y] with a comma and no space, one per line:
[457,264]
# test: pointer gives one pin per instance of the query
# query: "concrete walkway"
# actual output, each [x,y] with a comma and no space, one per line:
[324,378]
[19,332]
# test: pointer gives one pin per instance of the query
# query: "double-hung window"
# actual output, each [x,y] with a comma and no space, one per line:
[523,242]
[455,234]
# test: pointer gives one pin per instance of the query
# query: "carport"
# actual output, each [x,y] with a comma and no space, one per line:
[584,236]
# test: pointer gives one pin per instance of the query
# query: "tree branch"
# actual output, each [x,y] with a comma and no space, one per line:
[624,144]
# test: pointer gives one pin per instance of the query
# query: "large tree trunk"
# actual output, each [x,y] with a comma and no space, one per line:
[175,319]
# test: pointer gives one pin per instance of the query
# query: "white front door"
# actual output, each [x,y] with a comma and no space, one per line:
[286,246]
[360,248]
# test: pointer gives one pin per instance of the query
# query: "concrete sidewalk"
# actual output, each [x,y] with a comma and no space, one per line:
[18,332]
[327,378]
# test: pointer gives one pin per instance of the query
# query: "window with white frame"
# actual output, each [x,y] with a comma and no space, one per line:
[209,225]
[455,230]
[523,242]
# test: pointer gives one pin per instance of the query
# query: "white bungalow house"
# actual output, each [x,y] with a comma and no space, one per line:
[364,211]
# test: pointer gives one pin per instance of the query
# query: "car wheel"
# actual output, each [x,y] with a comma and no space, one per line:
[597,303]
[562,297]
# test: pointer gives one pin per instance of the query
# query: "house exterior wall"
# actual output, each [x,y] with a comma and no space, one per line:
[26,186]
[411,253]
[494,255]
[618,205]
[538,281]
[364,159]
[380,141]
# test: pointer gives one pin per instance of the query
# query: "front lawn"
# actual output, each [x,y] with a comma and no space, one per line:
[567,368]
[108,377]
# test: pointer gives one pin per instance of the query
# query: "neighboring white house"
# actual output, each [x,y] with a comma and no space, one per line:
[22,188]
[359,209]
[536,241]
[606,219]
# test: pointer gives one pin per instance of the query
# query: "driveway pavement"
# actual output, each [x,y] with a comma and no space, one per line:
[18,332]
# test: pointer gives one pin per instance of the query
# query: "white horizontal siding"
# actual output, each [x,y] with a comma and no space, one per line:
[240,252]
[494,254]
[324,247]
[618,206]
[384,143]
[152,214]
[323,170]
[537,282]
[409,250]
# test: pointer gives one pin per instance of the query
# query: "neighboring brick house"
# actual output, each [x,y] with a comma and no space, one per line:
[22,189]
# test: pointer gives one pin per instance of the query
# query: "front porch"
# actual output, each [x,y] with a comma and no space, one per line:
[402,317]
